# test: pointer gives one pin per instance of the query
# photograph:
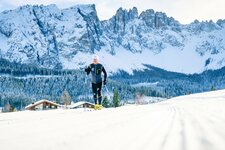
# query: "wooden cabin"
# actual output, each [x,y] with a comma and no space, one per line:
[42,105]
[81,104]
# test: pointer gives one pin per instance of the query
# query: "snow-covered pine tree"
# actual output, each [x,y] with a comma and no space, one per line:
[116,99]
[105,102]
[66,98]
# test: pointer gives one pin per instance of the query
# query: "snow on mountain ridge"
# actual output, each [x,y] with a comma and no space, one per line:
[65,38]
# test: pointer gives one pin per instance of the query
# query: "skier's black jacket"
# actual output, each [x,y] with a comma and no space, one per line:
[96,73]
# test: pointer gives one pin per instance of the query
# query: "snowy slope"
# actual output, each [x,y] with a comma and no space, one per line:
[66,38]
[194,122]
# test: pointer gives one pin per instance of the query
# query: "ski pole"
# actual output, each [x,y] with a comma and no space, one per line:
[107,91]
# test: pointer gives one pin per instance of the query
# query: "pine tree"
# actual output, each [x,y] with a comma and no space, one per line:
[116,99]
[66,98]
[213,88]
[105,102]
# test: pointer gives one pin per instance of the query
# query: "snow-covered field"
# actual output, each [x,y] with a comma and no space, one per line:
[194,122]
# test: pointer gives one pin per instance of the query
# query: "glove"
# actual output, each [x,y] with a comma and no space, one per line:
[104,82]
[87,70]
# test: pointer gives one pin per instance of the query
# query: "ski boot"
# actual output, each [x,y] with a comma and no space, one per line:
[97,107]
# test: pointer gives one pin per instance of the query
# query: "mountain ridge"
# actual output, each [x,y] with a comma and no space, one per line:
[66,38]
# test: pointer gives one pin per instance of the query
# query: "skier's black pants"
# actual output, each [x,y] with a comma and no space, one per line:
[97,92]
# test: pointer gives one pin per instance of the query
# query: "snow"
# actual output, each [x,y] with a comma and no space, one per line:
[3,43]
[193,122]
[30,76]
[169,59]
[145,84]
[22,38]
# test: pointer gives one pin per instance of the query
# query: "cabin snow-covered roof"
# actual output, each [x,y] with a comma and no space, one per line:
[39,102]
[79,103]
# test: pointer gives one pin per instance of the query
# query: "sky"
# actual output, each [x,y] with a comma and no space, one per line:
[185,11]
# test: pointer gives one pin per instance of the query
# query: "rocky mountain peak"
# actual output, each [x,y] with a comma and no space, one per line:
[54,38]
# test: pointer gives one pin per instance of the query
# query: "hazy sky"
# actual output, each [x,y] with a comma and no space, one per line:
[184,11]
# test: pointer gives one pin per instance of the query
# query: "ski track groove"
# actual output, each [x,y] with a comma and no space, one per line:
[203,128]
[169,129]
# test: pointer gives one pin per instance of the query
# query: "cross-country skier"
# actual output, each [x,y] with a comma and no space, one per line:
[96,70]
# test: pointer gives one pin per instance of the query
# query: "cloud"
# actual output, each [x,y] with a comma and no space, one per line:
[184,11]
